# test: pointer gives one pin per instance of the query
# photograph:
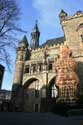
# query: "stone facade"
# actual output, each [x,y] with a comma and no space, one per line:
[5,97]
[34,78]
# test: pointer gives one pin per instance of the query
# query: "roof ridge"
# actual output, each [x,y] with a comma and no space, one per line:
[55,38]
[53,41]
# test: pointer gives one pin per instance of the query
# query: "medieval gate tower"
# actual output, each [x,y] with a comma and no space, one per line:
[34,87]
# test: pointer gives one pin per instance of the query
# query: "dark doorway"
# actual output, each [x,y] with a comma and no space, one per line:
[36,107]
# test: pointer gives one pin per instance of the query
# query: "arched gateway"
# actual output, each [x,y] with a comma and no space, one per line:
[32,95]
[38,96]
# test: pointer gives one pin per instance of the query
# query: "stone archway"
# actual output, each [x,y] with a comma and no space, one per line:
[32,95]
[30,80]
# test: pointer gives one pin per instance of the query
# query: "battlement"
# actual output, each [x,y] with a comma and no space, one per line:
[47,47]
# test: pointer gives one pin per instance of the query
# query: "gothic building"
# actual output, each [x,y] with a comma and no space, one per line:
[36,84]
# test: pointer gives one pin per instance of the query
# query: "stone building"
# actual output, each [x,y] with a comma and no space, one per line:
[34,85]
[5,97]
[1,74]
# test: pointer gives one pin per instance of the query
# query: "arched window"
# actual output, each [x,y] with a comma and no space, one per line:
[26,69]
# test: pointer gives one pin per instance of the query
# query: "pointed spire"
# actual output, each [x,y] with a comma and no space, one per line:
[63,15]
[24,42]
[35,34]
[63,12]
[36,29]
[36,24]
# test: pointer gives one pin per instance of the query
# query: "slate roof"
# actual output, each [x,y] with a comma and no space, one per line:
[51,42]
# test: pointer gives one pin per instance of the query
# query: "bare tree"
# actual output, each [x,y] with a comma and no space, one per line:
[9,14]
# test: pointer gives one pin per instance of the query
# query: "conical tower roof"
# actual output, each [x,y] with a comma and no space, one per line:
[24,42]
[63,14]
[35,29]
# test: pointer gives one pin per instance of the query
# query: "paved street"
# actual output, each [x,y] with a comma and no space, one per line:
[38,119]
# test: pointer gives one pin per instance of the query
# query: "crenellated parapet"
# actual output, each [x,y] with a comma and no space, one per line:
[38,54]
[48,47]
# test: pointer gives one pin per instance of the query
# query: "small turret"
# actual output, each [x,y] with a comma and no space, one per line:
[35,37]
[63,15]
[79,13]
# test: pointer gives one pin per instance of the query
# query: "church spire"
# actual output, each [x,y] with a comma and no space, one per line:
[35,34]
[36,25]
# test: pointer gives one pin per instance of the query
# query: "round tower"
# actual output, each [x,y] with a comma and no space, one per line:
[17,89]
[20,59]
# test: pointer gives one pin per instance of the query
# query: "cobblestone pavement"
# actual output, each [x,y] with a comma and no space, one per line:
[9,118]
